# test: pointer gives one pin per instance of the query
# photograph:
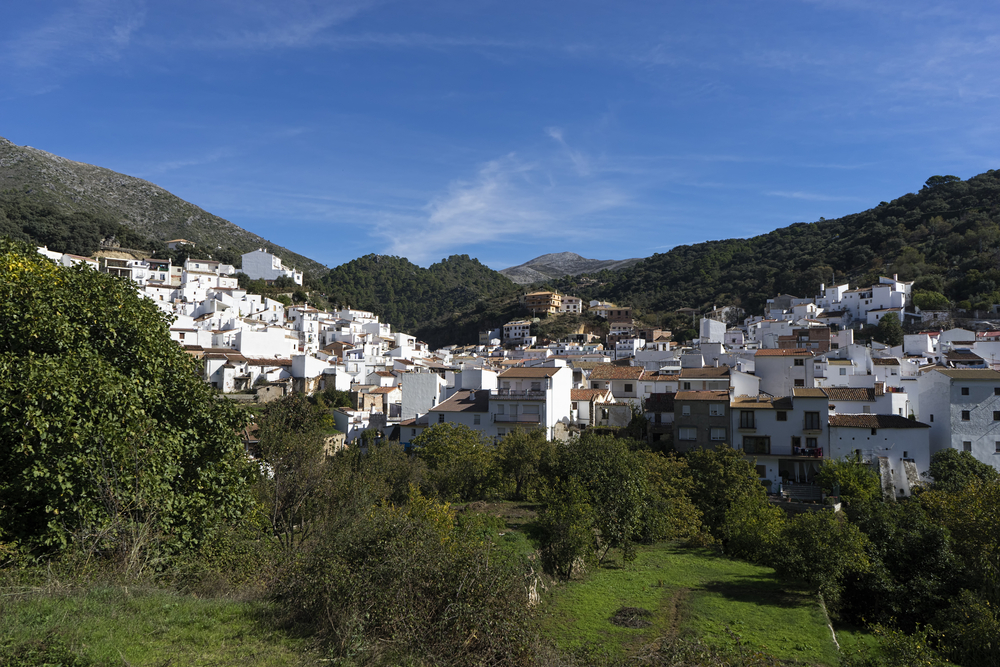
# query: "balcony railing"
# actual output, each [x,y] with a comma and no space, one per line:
[517,395]
[517,419]
[813,452]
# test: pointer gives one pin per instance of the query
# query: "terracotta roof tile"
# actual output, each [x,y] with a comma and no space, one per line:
[790,352]
[612,372]
[873,421]
[460,401]
[705,372]
[852,393]
[702,396]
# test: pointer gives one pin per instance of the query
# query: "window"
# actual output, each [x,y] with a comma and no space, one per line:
[781,416]
[716,410]
[595,385]
[575,406]
[967,446]
[753,444]
[747,419]
[965,391]
[628,389]
[866,409]
[536,386]
[687,385]
[874,431]
[843,371]
[440,418]
[413,432]
[499,408]
[796,441]
[932,419]
[686,410]
[965,415]
[996,391]
[800,383]
[718,434]
[501,432]
[812,421]
[996,415]
[475,419]
[997,443]
[687,433]
[761,470]
[812,443]
[800,362]
[529,409]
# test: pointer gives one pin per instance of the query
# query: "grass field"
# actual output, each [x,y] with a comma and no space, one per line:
[120,625]
[688,592]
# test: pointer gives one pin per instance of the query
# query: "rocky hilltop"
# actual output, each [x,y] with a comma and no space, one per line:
[36,176]
[560,264]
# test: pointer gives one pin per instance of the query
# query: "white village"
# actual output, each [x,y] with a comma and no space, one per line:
[789,388]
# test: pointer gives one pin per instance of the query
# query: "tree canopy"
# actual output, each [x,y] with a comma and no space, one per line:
[104,421]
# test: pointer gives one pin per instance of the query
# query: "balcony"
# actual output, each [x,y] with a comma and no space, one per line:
[516,395]
[808,452]
[517,419]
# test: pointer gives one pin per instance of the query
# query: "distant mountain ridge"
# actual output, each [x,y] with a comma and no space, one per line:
[561,264]
[37,177]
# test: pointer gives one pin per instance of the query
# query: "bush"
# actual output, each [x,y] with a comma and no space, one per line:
[405,584]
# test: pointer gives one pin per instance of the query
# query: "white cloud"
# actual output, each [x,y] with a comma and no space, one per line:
[510,201]
[810,196]
[89,31]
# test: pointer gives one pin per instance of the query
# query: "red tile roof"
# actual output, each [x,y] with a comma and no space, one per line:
[612,372]
[874,421]
[791,352]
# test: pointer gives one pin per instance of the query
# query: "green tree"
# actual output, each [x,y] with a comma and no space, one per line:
[821,548]
[104,421]
[718,479]
[615,479]
[855,481]
[889,331]
[459,461]
[294,485]
[929,300]
[518,456]
[953,470]
[667,513]
[567,524]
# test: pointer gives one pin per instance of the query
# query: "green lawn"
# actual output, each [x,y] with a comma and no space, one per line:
[689,591]
[122,625]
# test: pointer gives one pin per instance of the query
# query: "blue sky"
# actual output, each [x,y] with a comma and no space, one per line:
[508,129]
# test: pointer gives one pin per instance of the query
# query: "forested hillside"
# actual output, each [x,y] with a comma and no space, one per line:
[39,180]
[434,304]
[945,237]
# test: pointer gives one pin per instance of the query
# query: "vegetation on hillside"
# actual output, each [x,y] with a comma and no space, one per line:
[946,237]
[38,178]
[418,300]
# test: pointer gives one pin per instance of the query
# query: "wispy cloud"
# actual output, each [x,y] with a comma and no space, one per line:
[510,200]
[811,196]
[88,31]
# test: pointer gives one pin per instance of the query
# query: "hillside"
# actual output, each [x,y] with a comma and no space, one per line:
[42,181]
[946,238]
[425,302]
[560,264]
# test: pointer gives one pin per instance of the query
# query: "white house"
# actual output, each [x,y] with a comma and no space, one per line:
[963,410]
[262,265]
[536,396]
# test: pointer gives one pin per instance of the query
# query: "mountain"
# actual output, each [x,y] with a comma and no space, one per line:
[560,264]
[36,184]
[442,304]
[945,238]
